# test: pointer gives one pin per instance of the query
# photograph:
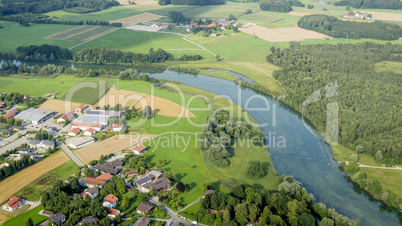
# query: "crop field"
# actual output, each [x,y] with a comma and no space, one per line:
[113,13]
[270,19]
[139,2]
[81,33]
[386,16]
[281,34]
[87,92]
[13,184]
[159,105]
[112,144]
[139,42]
[58,106]
[15,36]
[143,17]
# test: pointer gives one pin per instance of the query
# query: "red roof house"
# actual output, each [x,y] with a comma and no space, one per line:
[12,204]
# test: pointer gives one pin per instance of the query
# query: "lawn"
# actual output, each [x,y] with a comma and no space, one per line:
[7,23]
[22,218]
[88,92]
[341,153]
[389,179]
[13,37]
[190,211]
[105,15]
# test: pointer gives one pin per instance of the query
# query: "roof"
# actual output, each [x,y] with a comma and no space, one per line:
[102,119]
[94,181]
[74,130]
[105,169]
[131,172]
[9,114]
[113,164]
[105,177]
[46,212]
[143,221]
[34,142]
[76,141]
[110,113]
[208,192]
[25,150]
[212,211]
[111,211]
[225,22]
[86,124]
[143,180]
[88,220]
[82,107]
[13,202]
[139,147]
[91,130]
[110,198]
[2,103]
[47,142]
[145,207]
[57,218]
[95,106]
[92,190]
[159,183]
[156,173]
[117,126]
[67,116]
[33,114]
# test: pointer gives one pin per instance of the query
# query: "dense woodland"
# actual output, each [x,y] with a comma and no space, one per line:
[371,4]
[279,5]
[292,205]
[192,2]
[336,28]
[369,101]
[221,130]
[45,53]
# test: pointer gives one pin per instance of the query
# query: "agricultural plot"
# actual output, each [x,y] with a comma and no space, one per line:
[270,19]
[139,2]
[15,36]
[13,184]
[59,106]
[81,33]
[87,92]
[281,34]
[143,28]
[386,16]
[143,17]
[112,144]
[160,105]
[104,15]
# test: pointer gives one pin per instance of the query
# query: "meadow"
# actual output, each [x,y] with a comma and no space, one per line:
[112,13]
[22,218]
[15,36]
[389,66]
[270,19]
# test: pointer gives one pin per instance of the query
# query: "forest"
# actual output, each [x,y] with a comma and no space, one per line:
[279,5]
[45,53]
[371,4]
[192,2]
[368,101]
[11,7]
[291,205]
[336,28]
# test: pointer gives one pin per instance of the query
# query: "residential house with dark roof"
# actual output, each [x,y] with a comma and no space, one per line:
[105,169]
[111,212]
[93,182]
[92,193]
[143,221]
[145,208]
[131,173]
[13,203]
[88,220]
[42,145]
[57,219]
[110,201]
[10,113]
[115,164]
[157,185]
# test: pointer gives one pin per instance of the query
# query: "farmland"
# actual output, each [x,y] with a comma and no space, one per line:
[282,34]
[105,15]
[21,219]
[12,184]
[58,106]
[81,33]
[136,19]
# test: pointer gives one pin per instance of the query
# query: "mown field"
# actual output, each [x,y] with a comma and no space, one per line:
[22,218]
[15,36]
[113,13]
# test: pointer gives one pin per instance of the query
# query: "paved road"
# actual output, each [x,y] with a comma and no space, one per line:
[70,154]
[14,143]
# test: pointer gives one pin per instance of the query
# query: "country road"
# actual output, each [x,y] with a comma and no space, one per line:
[70,154]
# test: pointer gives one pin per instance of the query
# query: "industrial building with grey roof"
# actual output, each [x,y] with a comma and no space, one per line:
[36,116]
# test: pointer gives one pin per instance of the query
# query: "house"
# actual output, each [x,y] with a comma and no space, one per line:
[213,24]
[157,174]
[13,203]
[86,125]
[92,193]
[156,185]
[78,142]
[2,104]
[207,193]
[145,208]
[88,220]
[46,213]
[347,15]
[94,107]
[25,150]
[89,132]
[65,117]
[73,132]
[225,22]
[143,221]
[105,169]
[25,96]
[137,150]
[10,113]
[105,177]
[112,212]
[110,201]
[116,127]
[35,116]
[131,173]
[360,15]
[93,182]
[215,34]
[57,219]
[42,145]
[79,109]
[115,164]
[212,211]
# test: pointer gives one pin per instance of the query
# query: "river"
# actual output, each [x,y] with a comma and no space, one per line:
[304,156]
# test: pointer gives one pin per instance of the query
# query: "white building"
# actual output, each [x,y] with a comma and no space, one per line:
[78,142]
[13,204]
[36,116]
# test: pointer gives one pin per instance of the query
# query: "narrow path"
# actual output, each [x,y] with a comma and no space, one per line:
[189,205]
[70,154]
[374,167]
[185,38]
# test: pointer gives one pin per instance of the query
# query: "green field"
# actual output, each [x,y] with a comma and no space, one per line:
[7,23]
[270,19]
[389,179]
[105,15]
[86,35]
[13,37]
[22,218]
[389,66]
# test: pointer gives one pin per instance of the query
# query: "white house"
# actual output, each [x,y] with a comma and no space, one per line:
[73,132]
[89,132]
[110,201]
[77,142]
[12,204]
[86,125]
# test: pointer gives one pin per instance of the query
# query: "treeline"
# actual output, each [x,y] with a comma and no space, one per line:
[178,18]
[15,167]
[245,204]
[45,53]
[279,5]
[192,2]
[336,28]
[371,4]
[218,132]
[11,7]
[307,68]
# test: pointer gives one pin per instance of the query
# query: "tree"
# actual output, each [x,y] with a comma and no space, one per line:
[327,222]
[151,192]
[218,57]
[29,222]
[232,17]
[256,169]
[142,197]
[241,213]
[126,202]
[306,219]
[147,113]
[353,158]
[180,186]
[4,126]
[206,185]
[378,156]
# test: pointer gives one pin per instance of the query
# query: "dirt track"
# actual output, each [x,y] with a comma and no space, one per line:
[13,184]
[143,17]
[59,106]
[285,34]
[160,105]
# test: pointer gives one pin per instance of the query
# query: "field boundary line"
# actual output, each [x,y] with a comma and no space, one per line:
[95,38]
[185,38]
[62,32]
